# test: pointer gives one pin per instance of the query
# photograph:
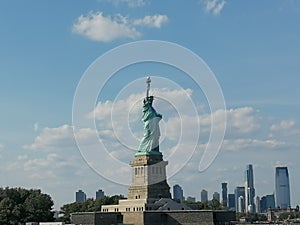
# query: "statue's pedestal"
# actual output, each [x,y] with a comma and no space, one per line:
[149,189]
[149,177]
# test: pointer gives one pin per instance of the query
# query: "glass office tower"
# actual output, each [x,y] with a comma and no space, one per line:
[282,187]
[177,193]
[249,190]
[224,194]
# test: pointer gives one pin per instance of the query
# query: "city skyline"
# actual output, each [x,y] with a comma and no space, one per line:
[264,201]
[251,47]
[259,204]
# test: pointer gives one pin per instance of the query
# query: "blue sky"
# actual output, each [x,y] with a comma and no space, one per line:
[46,46]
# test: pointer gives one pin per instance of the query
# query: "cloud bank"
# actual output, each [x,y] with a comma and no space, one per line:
[119,124]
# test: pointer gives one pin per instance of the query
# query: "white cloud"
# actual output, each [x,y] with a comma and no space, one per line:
[214,6]
[52,137]
[287,129]
[58,137]
[252,144]
[283,125]
[152,21]
[240,121]
[183,126]
[52,161]
[53,164]
[243,120]
[98,27]
[130,3]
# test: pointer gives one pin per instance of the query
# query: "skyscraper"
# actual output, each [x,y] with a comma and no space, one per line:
[99,194]
[282,187]
[216,196]
[191,199]
[204,196]
[238,192]
[241,204]
[267,202]
[231,201]
[249,190]
[224,194]
[257,204]
[80,196]
[177,193]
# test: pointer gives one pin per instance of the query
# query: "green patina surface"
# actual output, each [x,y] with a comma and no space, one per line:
[150,142]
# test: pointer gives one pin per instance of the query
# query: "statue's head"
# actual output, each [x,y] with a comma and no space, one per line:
[148,100]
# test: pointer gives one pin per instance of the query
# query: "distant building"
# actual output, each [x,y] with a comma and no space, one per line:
[241,204]
[249,190]
[224,195]
[238,192]
[177,193]
[191,199]
[216,196]
[267,202]
[99,194]
[204,196]
[80,196]
[257,204]
[231,201]
[282,188]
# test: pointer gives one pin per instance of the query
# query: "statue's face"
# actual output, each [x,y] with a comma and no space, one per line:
[150,99]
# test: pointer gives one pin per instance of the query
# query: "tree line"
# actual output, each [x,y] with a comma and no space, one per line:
[20,205]
[214,204]
[90,205]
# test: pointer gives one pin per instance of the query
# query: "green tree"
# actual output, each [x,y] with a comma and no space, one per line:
[215,204]
[18,205]
[7,206]
[288,215]
[38,207]
[254,217]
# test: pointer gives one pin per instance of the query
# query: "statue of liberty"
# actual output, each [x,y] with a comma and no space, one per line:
[150,141]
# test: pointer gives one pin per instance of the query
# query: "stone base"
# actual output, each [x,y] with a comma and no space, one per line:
[154,191]
[149,178]
[145,159]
